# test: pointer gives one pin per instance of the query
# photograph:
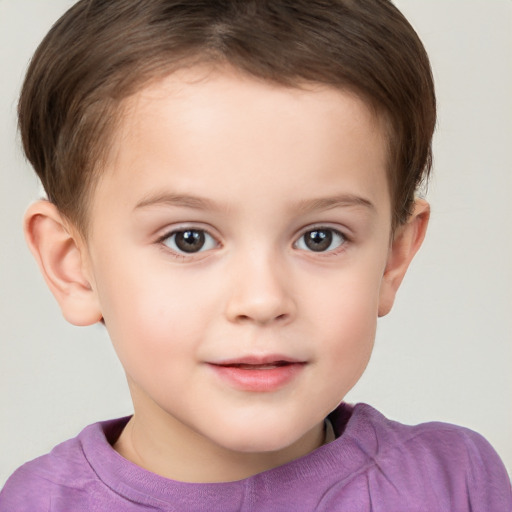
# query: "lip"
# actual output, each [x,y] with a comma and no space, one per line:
[261,374]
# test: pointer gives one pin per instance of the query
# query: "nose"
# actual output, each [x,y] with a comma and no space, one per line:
[260,292]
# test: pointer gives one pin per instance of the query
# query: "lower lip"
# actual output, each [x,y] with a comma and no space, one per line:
[262,381]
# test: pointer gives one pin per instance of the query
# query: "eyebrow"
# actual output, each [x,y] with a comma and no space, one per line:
[166,199]
[328,203]
[304,206]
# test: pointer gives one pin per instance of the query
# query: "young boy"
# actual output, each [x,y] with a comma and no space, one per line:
[231,191]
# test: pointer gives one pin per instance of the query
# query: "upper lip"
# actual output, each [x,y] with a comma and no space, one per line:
[258,360]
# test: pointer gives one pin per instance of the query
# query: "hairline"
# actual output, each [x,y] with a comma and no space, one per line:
[204,60]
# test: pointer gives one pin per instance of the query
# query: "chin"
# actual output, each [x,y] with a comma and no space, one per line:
[262,440]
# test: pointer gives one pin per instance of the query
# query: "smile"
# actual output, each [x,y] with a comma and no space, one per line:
[261,375]
[268,366]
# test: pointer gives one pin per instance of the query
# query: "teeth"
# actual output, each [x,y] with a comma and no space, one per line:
[257,367]
[268,366]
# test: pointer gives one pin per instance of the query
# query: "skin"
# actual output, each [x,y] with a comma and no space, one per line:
[256,167]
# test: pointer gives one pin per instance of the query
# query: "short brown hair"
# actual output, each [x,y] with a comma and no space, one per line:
[101,51]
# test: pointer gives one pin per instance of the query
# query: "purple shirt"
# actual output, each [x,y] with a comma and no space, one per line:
[374,465]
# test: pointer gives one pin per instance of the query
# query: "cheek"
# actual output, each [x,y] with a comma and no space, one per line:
[156,317]
[348,299]
[353,325]
[347,319]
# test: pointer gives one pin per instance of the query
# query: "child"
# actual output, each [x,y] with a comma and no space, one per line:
[231,191]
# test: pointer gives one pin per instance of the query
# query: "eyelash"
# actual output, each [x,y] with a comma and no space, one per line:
[334,233]
[183,254]
[343,239]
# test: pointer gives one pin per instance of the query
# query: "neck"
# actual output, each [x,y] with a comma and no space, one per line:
[175,452]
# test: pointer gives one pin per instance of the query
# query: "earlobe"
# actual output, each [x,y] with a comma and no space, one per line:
[60,255]
[406,242]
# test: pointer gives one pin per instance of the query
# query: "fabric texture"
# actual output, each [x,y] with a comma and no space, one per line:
[374,465]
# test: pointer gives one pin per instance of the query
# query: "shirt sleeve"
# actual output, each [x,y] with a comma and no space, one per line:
[488,485]
[25,492]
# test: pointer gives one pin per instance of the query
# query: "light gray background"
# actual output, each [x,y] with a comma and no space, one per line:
[445,352]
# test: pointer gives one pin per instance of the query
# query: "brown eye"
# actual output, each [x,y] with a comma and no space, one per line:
[320,240]
[189,241]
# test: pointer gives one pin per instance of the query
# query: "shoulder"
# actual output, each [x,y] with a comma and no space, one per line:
[32,486]
[62,476]
[451,461]
[432,440]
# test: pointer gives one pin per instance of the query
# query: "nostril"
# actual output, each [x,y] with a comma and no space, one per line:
[259,303]
[262,319]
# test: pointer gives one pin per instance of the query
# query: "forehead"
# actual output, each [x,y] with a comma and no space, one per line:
[205,89]
[194,126]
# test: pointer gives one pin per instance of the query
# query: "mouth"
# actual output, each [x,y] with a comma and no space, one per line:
[268,366]
[258,374]
[271,360]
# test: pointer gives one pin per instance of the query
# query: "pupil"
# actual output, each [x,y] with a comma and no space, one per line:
[318,240]
[190,241]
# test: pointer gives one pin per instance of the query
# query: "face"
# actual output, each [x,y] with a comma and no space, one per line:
[238,242]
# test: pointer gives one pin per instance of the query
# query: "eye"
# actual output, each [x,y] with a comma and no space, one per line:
[189,241]
[320,240]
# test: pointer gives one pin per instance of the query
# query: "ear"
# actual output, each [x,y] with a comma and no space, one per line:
[61,255]
[406,242]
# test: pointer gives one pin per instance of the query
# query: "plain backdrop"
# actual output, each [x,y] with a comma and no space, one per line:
[444,353]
